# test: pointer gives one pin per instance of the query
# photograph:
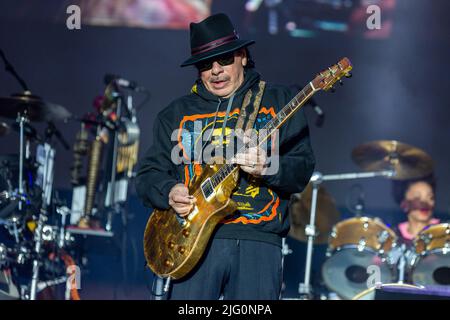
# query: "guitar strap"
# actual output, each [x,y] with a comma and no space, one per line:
[250,120]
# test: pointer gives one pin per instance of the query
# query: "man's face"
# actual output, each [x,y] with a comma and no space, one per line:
[223,80]
[423,192]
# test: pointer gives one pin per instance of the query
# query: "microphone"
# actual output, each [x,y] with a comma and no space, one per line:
[355,200]
[360,204]
[121,82]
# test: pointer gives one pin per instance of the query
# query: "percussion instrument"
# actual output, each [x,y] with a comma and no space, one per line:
[369,294]
[300,209]
[33,107]
[355,245]
[406,161]
[431,263]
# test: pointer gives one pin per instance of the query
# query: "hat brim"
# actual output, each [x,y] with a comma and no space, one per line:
[229,47]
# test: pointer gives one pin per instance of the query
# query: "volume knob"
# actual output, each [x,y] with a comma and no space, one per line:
[168,263]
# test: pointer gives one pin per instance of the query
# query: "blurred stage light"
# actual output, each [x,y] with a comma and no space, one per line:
[253,5]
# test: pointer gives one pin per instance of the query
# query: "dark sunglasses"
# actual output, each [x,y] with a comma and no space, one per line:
[223,60]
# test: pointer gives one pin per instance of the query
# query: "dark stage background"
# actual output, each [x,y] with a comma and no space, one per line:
[399,90]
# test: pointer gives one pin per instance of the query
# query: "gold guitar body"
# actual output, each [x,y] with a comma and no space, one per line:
[174,245]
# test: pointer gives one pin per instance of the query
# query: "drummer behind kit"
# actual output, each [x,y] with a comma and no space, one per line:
[363,252]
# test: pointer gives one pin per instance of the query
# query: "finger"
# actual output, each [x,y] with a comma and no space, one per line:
[246,139]
[245,163]
[183,212]
[248,169]
[259,153]
[182,208]
[253,150]
[181,199]
[183,191]
[246,159]
[193,199]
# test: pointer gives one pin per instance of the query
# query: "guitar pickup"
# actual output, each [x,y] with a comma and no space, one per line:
[207,189]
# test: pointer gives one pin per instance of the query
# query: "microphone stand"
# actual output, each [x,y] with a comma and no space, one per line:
[21,119]
[52,130]
[48,155]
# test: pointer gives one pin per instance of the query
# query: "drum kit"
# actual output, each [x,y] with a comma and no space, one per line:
[32,239]
[38,232]
[363,252]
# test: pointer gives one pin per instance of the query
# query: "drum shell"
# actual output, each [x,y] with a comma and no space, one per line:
[369,294]
[362,231]
[431,259]
[432,238]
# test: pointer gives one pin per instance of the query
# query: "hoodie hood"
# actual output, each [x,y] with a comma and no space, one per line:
[251,77]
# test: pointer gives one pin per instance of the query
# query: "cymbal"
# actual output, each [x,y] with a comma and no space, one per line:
[4,129]
[326,215]
[33,107]
[407,161]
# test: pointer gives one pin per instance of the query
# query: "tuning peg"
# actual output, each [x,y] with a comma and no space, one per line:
[341,83]
[348,75]
[332,89]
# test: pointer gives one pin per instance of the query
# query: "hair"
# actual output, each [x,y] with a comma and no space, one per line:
[399,188]
[250,61]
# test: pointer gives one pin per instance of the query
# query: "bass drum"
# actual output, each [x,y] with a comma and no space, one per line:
[359,247]
[369,294]
[431,264]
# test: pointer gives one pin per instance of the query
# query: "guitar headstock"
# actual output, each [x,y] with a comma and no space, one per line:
[327,78]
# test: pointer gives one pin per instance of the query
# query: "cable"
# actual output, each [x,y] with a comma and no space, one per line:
[146,99]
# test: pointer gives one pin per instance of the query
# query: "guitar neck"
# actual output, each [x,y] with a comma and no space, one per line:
[284,114]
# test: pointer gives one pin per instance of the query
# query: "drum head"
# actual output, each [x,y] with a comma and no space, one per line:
[347,271]
[432,269]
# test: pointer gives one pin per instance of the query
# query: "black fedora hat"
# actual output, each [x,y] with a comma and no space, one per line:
[212,37]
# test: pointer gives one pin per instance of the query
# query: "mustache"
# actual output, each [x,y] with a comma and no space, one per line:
[217,79]
[416,204]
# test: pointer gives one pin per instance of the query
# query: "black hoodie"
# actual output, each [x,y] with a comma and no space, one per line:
[262,203]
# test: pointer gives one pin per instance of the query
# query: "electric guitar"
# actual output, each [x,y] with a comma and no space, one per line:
[173,245]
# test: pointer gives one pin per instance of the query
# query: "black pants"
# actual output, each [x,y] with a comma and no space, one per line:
[236,270]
